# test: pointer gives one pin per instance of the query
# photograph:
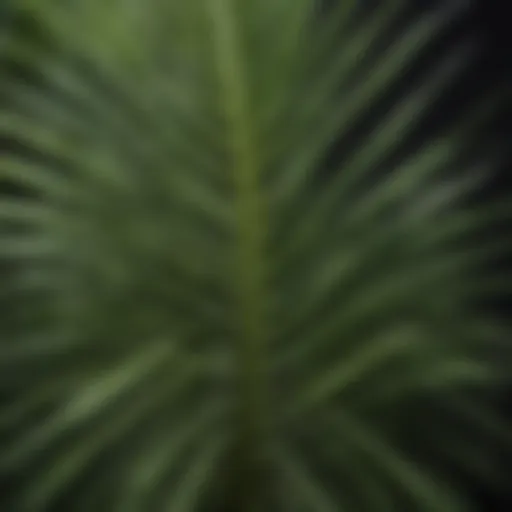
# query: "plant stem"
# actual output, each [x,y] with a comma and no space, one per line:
[253,450]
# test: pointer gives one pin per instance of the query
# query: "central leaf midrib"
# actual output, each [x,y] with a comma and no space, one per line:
[249,283]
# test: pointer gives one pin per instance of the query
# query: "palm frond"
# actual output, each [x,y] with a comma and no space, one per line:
[195,291]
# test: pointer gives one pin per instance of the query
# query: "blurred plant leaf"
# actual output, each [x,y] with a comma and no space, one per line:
[196,296]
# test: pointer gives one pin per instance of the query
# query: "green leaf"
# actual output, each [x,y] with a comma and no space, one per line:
[428,494]
[308,493]
[189,276]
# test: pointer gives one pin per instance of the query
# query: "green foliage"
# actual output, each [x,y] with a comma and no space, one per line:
[192,319]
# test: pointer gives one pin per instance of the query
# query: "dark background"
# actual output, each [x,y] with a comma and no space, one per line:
[489,21]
